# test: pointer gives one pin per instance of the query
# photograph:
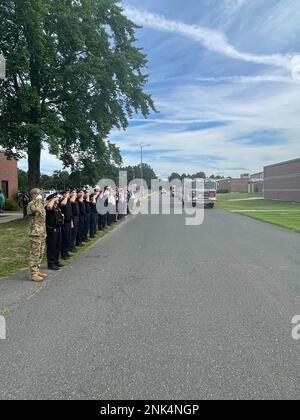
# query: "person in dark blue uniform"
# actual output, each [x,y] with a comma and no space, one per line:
[87,221]
[102,208]
[98,193]
[75,220]
[112,208]
[94,215]
[82,215]
[54,223]
[66,209]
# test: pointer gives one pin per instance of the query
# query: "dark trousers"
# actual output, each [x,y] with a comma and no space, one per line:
[65,239]
[53,243]
[74,232]
[103,220]
[87,225]
[24,211]
[99,222]
[111,218]
[93,224]
[80,232]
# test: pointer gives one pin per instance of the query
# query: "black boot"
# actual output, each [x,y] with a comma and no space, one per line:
[59,265]
[53,268]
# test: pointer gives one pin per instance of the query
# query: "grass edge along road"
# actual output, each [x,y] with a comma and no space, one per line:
[279,213]
[14,249]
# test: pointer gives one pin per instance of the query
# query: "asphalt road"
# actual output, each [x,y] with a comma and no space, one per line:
[159,310]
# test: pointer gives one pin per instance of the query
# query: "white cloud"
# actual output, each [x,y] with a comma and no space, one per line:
[158,121]
[251,79]
[212,40]
[246,110]
[282,21]
[296,67]
[248,104]
[232,6]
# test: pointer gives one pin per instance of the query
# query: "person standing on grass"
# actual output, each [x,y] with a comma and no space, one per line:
[98,194]
[37,235]
[122,204]
[131,201]
[75,219]
[24,203]
[2,202]
[66,230]
[82,215]
[112,207]
[102,205]
[54,223]
[94,215]
[87,220]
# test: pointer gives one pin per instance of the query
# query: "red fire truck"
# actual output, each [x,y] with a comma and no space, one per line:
[199,192]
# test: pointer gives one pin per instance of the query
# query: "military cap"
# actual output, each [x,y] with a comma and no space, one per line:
[65,191]
[50,197]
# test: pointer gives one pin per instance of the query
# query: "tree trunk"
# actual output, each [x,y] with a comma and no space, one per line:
[34,162]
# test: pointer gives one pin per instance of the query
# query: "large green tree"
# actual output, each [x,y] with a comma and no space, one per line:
[174,176]
[73,73]
[134,172]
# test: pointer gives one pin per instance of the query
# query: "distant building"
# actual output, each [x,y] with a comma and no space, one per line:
[245,184]
[245,176]
[8,176]
[282,181]
[256,184]
[234,185]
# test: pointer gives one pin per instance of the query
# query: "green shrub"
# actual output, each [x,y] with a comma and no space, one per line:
[11,205]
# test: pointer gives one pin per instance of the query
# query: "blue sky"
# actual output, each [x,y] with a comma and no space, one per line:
[225,76]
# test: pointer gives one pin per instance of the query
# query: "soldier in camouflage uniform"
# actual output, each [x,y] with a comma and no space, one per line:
[37,235]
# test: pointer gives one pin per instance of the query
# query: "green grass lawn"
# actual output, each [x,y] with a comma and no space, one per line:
[13,247]
[14,250]
[279,213]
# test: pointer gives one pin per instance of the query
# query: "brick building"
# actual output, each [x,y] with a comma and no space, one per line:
[233,185]
[8,176]
[257,183]
[282,181]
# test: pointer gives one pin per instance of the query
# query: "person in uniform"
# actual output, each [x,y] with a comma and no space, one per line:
[111,207]
[131,202]
[66,209]
[37,234]
[54,223]
[98,193]
[94,215]
[75,219]
[122,204]
[117,196]
[24,203]
[87,220]
[100,210]
[103,206]
[82,214]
